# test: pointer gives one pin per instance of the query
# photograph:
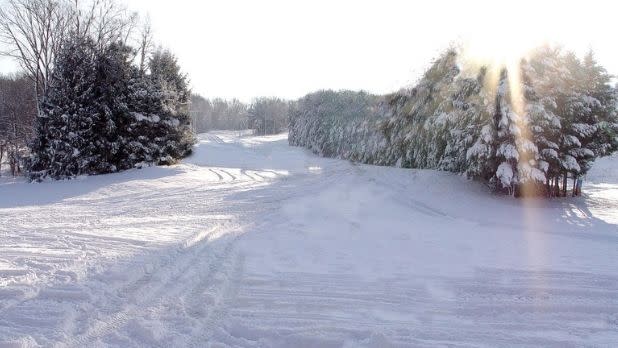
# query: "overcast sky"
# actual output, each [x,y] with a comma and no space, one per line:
[244,49]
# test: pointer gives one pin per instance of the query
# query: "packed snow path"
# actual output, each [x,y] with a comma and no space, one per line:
[252,243]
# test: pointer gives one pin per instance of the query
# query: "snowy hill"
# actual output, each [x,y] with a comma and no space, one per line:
[252,243]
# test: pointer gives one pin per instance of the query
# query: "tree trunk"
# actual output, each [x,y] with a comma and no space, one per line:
[12,164]
[556,187]
[564,185]
[574,193]
[1,156]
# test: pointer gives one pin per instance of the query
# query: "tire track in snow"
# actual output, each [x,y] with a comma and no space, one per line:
[214,138]
[141,294]
[262,178]
[232,176]
[220,300]
[246,173]
[217,174]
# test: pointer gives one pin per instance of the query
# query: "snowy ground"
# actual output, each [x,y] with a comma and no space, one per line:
[252,243]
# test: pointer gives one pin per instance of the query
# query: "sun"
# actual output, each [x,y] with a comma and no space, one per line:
[497,44]
[500,39]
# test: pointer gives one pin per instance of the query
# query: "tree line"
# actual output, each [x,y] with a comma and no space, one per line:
[264,115]
[524,131]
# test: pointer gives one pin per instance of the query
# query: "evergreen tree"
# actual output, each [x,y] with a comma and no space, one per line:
[113,72]
[102,114]
[526,133]
[544,126]
[172,133]
[508,130]
[67,142]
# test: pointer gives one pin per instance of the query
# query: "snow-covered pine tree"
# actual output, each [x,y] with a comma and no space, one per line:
[167,113]
[575,94]
[334,124]
[467,114]
[102,115]
[602,101]
[507,127]
[544,126]
[481,154]
[142,127]
[546,91]
[113,72]
[589,111]
[522,133]
[531,169]
[67,143]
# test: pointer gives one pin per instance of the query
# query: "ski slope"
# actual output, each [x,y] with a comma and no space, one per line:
[252,243]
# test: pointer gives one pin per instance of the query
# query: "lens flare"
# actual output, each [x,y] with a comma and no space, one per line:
[497,50]
[500,50]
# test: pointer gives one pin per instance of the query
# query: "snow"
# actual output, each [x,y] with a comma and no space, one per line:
[529,173]
[252,243]
[571,141]
[505,174]
[584,130]
[509,151]
[569,163]
[141,117]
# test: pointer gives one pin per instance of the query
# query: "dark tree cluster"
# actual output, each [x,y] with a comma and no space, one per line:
[90,102]
[101,114]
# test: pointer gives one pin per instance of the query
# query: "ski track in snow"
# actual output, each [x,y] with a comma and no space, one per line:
[252,243]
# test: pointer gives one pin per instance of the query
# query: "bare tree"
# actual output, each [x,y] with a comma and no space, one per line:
[17,110]
[145,44]
[104,21]
[33,31]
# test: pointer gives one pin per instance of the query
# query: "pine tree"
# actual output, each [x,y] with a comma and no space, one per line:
[542,121]
[67,142]
[102,114]
[601,100]
[506,123]
[172,133]
[544,125]
[113,73]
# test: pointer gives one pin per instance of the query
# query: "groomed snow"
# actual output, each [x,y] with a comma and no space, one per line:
[252,243]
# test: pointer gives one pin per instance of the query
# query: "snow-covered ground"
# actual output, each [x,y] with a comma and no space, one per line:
[252,243]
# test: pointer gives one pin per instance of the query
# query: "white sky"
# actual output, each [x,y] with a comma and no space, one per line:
[244,49]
